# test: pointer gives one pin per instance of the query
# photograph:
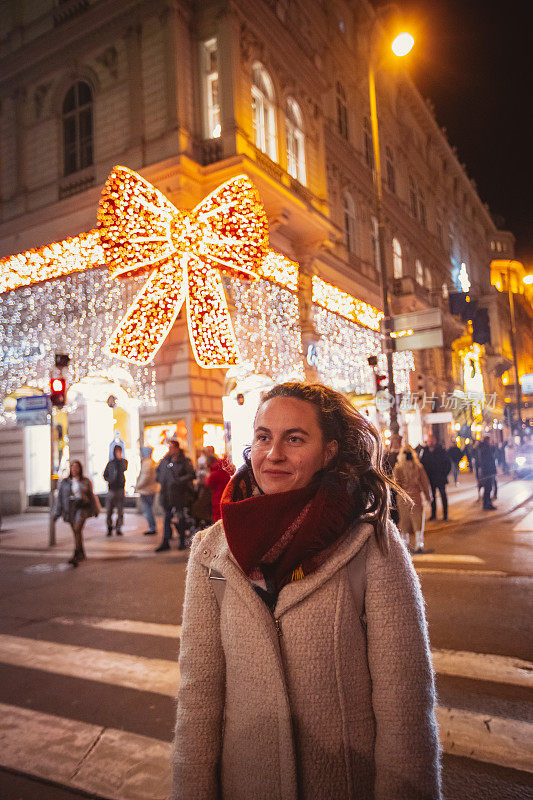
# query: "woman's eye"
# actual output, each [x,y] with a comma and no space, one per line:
[260,437]
[295,439]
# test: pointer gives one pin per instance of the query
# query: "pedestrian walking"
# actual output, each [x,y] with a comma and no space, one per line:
[390,457]
[216,481]
[437,465]
[148,487]
[411,476]
[114,474]
[487,472]
[175,474]
[76,502]
[455,455]
[304,658]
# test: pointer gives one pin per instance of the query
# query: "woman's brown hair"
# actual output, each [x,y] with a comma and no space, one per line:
[79,465]
[358,459]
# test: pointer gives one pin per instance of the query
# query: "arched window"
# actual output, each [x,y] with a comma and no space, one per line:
[342,111]
[367,141]
[397,258]
[413,201]
[295,141]
[263,115]
[374,232]
[391,172]
[77,114]
[349,222]
[419,272]
[429,279]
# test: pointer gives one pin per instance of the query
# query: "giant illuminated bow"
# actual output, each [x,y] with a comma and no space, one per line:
[140,230]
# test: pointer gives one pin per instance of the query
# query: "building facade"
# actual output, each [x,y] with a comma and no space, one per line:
[191,94]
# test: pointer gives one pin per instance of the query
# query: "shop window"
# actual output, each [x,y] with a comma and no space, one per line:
[295,141]
[210,89]
[397,258]
[77,118]
[391,172]
[367,141]
[419,272]
[342,111]
[263,113]
[349,222]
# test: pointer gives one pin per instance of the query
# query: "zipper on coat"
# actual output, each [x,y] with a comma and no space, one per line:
[278,626]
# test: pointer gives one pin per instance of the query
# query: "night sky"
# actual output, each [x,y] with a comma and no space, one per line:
[474,60]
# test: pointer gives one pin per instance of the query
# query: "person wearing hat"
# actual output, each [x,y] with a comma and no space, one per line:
[148,487]
[175,474]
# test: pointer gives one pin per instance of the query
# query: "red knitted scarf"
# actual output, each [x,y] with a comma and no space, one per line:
[283,536]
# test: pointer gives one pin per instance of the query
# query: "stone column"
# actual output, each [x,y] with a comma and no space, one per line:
[310,336]
[228,78]
[178,58]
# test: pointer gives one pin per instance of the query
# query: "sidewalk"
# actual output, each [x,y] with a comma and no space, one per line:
[28,533]
[464,506]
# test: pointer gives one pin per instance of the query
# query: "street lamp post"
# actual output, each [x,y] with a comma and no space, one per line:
[401,46]
[518,388]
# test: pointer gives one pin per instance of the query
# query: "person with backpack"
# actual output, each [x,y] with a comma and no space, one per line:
[304,657]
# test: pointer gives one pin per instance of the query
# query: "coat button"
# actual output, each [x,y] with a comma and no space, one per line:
[206,552]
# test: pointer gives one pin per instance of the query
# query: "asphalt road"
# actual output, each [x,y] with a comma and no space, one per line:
[94,649]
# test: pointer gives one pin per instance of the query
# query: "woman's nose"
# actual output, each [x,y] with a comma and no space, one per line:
[276,451]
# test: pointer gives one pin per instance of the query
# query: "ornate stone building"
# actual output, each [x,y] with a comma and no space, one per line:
[190,94]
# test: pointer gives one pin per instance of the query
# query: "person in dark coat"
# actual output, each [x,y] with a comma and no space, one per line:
[76,502]
[455,455]
[437,465]
[114,474]
[175,474]
[487,471]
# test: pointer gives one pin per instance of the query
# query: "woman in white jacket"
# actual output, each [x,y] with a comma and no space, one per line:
[304,661]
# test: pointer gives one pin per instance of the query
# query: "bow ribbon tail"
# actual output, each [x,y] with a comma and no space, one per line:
[210,328]
[144,328]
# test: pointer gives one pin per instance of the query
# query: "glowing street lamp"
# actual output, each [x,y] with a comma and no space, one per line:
[401,46]
[528,279]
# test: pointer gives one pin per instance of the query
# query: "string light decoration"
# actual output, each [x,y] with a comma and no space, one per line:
[75,315]
[328,296]
[279,269]
[140,230]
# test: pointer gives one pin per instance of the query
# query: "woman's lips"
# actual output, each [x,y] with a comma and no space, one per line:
[275,473]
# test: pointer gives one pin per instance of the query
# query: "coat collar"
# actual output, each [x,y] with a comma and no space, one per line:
[215,554]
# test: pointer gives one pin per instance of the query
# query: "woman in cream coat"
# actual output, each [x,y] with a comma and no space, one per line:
[290,689]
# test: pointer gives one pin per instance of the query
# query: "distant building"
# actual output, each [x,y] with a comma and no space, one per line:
[190,95]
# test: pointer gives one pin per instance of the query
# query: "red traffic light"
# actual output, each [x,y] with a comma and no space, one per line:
[382,381]
[58,392]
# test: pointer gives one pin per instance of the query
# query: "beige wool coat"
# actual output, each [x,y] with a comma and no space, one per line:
[297,705]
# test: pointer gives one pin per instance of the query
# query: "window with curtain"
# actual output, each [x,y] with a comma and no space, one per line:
[390,171]
[210,89]
[419,272]
[349,222]
[342,111]
[295,140]
[367,142]
[77,118]
[397,258]
[263,114]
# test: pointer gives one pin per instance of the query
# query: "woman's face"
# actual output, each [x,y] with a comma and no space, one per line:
[75,469]
[288,446]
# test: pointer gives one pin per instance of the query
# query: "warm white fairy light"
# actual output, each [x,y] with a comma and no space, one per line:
[73,315]
[334,299]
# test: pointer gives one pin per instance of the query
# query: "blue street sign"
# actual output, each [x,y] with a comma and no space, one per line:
[39,402]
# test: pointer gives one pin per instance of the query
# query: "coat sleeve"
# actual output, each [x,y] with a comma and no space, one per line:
[201,697]
[407,751]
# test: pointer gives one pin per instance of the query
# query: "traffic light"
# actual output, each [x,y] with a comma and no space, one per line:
[58,392]
[382,381]
[481,326]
